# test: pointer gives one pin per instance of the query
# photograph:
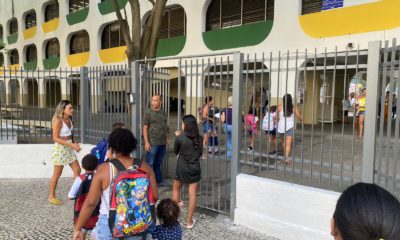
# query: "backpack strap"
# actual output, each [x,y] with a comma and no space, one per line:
[120,167]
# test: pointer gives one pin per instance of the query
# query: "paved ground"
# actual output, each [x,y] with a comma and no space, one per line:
[25,214]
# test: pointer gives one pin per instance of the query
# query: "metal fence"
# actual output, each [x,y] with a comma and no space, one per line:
[326,150]
[28,99]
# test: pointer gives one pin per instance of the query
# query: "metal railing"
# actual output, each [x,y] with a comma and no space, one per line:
[326,149]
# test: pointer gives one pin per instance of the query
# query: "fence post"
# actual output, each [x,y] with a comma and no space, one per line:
[236,126]
[371,113]
[84,102]
[135,103]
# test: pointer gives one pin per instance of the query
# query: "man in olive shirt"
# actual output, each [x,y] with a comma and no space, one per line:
[155,132]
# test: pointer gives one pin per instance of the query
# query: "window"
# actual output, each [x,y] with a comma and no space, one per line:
[30,20]
[75,5]
[13,26]
[311,6]
[1,60]
[173,23]
[112,36]
[31,53]
[52,48]
[14,57]
[51,11]
[1,32]
[230,13]
[79,43]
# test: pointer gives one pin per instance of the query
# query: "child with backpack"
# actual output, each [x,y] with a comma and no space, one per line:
[80,189]
[251,127]
[168,213]
[269,126]
[101,149]
[127,189]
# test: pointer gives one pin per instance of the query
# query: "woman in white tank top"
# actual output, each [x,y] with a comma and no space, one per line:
[64,147]
[286,113]
[121,143]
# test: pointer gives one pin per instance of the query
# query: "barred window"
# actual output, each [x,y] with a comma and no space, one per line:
[1,60]
[53,48]
[311,6]
[31,53]
[30,20]
[79,43]
[112,36]
[230,13]
[173,23]
[13,26]
[14,57]
[76,5]
[51,11]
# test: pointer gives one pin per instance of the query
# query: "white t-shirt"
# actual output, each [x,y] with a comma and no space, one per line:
[75,187]
[268,123]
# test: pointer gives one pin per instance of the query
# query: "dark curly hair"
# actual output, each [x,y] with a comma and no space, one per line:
[287,105]
[90,162]
[168,212]
[122,141]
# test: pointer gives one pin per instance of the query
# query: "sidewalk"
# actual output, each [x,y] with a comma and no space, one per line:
[26,214]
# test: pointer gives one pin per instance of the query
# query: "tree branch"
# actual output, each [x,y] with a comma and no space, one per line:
[155,31]
[152,2]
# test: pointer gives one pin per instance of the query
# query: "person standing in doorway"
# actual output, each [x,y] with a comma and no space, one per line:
[64,147]
[361,111]
[155,134]
[226,119]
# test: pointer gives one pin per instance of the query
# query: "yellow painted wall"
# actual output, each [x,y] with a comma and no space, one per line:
[78,60]
[13,68]
[368,17]
[30,33]
[113,55]
[50,25]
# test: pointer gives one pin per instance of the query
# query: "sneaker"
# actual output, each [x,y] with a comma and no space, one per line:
[216,153]
[250,149]
[272,152]
[209,152]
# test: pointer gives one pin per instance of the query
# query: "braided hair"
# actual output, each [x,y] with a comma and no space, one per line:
[191,130]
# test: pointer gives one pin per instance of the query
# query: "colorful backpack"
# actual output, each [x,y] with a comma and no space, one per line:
[80,199]
[131,202]
[100,150]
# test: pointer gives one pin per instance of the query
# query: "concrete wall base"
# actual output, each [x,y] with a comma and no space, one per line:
[284,210]
[32,160]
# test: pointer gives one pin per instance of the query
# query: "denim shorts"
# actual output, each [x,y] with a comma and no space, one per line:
[207,127]
[102,230]
[289,132]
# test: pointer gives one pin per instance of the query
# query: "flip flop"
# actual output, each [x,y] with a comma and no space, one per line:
[191,226]
[55,201]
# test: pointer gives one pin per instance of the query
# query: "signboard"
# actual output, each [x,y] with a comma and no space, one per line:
[331,4]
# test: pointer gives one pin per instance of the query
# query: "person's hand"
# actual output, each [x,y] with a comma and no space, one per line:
[168,141]
[78,235]
[76,147]
[147,147]
[177,133]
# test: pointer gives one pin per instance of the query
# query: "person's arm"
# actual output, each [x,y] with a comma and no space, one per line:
[223,116]
[146,121]
[177,146]
[298,115]
[74,189]
[57,124]
[91,200]
[152,177]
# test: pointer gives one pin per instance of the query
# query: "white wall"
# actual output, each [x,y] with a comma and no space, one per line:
[284,210]
[26,160]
